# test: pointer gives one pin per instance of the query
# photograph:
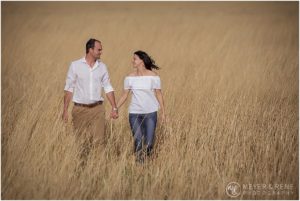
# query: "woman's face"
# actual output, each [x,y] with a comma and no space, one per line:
[136,62]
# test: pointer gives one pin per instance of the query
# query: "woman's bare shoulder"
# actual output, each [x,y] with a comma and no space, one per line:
[152,73]
[133,73]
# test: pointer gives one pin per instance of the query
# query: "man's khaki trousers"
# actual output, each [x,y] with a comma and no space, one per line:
[90,123]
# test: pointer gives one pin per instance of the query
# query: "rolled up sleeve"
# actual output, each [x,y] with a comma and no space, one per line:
[70,80]
[106,81]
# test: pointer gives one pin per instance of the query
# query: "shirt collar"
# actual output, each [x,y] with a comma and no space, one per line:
[97,63]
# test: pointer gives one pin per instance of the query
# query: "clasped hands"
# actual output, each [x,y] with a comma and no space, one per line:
[114,113]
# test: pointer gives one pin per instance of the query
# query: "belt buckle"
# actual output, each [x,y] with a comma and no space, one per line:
[94,104]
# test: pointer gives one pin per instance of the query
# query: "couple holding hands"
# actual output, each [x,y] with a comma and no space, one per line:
[84,82]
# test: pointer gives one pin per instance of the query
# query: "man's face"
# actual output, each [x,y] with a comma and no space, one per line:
[97,50]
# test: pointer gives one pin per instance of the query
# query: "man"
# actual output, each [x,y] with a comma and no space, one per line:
[85,79]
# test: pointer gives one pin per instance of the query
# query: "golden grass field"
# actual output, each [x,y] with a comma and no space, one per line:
[230,83]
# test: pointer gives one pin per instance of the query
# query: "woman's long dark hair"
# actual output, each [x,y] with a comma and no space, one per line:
[148,61]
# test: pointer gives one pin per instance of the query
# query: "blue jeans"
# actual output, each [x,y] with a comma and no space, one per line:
[143,125]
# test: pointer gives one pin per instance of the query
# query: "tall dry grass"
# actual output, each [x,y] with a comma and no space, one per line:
[230,82]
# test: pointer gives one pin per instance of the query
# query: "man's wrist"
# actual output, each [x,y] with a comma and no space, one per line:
[115,109]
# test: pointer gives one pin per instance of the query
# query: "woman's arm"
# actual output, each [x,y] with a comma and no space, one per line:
[123,98]
[160,99]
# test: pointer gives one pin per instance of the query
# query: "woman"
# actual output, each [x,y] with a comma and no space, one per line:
[146,99]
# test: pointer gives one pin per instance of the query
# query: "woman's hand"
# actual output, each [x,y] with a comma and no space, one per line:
[163,118]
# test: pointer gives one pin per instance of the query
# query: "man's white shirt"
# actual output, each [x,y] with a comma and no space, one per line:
[86,83]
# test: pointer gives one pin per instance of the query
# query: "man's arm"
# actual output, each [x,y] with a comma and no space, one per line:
[111,98]
[69,88]
[67,99]
[109,91]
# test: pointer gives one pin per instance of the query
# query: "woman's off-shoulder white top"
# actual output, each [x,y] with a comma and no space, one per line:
[143,99]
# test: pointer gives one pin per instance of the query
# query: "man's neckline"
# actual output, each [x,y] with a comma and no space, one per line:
[96,64]
[142,76]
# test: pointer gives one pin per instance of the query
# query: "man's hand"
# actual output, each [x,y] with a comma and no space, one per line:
[65,116]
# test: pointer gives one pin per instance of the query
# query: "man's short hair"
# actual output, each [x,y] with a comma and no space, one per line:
[90,44]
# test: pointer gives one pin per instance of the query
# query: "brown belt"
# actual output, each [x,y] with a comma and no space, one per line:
[89,105]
